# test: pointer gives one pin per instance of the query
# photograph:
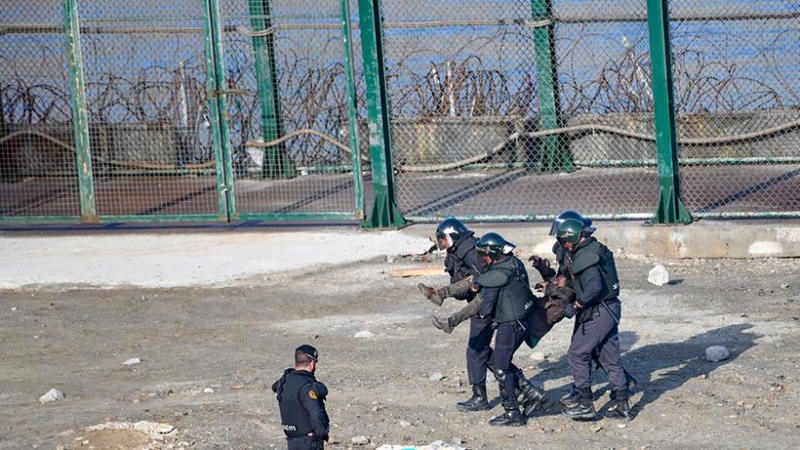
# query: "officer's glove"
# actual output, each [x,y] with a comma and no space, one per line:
[569,311]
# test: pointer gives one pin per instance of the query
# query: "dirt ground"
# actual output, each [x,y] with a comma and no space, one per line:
[209,355]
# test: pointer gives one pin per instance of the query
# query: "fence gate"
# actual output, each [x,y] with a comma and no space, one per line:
[286,96]
[159,111]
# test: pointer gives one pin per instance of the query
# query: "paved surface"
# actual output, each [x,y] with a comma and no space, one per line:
[215,256]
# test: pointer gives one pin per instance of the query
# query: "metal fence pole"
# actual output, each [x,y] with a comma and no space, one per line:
[80,116]
[384,212]
[352,112]
[670,209]
[217,105]
[555,158]
[276,162]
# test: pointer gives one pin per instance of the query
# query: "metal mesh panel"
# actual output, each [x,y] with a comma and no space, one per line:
[145,76]
[38,175]
[309,83]
[469,129]
[737,96]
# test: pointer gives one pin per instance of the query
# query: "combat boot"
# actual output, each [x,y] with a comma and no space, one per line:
[630,383]
[443,324]
[622,410]
[572,398]
[512,417]
[531,396]
[432,294]
[584,410]
[477,402]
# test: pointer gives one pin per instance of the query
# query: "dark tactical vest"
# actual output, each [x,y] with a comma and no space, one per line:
[595,253]
[455,263]
[515,300]
[294,417]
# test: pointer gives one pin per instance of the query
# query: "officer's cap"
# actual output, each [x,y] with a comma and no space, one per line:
[308,350]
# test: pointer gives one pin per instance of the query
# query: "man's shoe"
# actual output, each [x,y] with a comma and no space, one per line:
[442,324]
[431,294]
[510,418]
[477,402]
[580,412]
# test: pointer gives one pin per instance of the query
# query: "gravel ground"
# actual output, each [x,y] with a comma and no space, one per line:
[208,356]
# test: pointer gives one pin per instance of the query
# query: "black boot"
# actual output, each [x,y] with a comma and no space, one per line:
[630,382]
[622,409]
[572,398]
[443,324]
[431,294]
[531,396]
[512,417]
[584,410]
[477,402]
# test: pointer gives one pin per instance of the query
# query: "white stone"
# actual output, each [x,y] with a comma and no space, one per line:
[436,376]
[51,396]
[658,275]
[364,334]
[359,440]
[132,361]
[538,356]
[208,391]
[717,353]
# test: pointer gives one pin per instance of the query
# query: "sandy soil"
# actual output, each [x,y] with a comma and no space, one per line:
[235,341]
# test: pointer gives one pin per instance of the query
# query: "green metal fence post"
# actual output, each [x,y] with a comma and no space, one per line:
[276,162]
[217,105]
[556,158]
[670,209]
[80,115]
[352,112]
[384,213]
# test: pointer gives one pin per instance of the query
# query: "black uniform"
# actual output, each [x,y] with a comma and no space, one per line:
[462,262]
[509,302]
[597,289]
[301,399]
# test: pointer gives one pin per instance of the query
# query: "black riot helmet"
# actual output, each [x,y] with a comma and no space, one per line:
[569,231]
[570,214]
[493,245]
[450,230]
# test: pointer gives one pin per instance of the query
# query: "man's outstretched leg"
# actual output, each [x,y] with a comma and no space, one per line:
[450,323]
[437,296]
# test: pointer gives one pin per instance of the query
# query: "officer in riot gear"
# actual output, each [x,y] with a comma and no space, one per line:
[550,277]
[460,263]
[301,399]
[463,265]
[597,311]
[509,303]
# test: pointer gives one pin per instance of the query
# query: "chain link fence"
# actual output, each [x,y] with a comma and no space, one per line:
[38,174]
[737,97]
[477,131]
[502,110]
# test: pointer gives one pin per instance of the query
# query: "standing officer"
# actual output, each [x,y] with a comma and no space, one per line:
[301,399]
[509,303]
[463,265]
[597,312]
